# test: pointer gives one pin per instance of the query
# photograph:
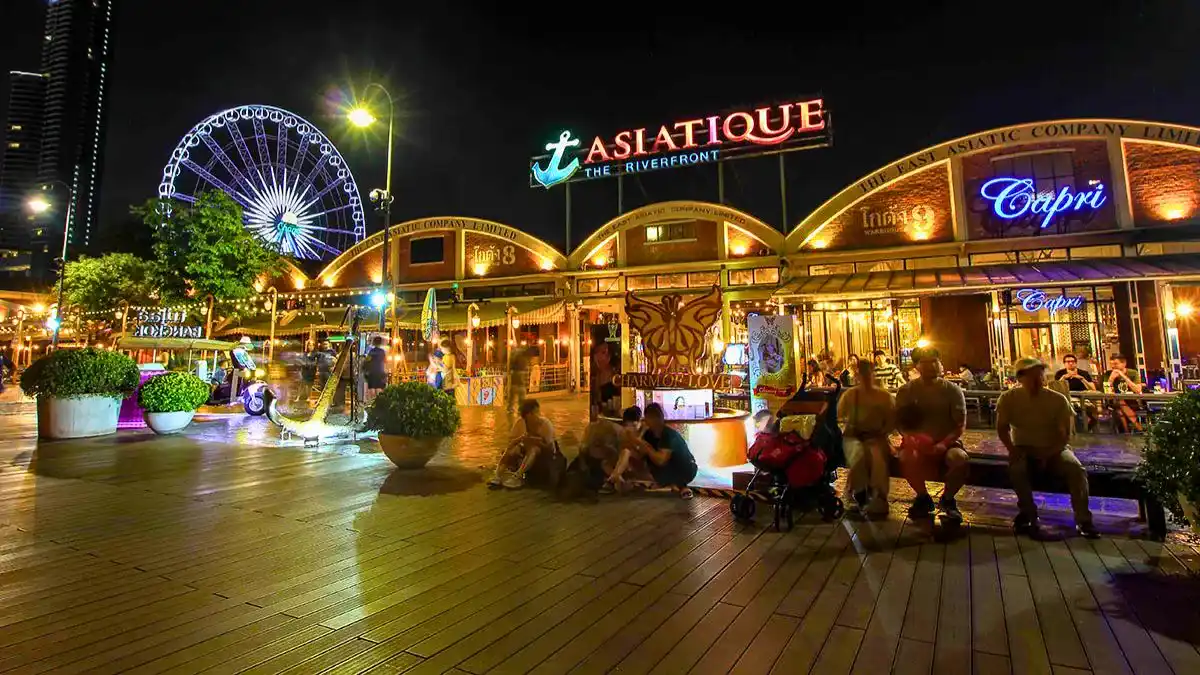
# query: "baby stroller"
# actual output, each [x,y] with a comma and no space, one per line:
[801,456]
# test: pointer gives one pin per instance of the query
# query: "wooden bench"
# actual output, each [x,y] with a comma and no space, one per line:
[989,470]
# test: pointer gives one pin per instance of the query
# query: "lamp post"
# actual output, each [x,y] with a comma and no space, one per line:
[361,117]
[38,205]
[274,304]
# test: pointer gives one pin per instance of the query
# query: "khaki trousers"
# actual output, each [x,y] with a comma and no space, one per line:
[1062,463]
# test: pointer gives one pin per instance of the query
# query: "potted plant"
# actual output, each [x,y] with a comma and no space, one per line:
[1170,467]
[169,401]
[79,391]
[414,421]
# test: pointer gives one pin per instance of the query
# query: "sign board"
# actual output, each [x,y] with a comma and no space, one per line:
[772,361]
[1034,300]
[1015,198]
[165,323]
[742,133]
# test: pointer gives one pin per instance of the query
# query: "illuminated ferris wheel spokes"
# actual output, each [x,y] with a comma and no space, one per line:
[295,190]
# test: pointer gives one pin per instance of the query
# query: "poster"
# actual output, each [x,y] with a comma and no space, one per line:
[772,361]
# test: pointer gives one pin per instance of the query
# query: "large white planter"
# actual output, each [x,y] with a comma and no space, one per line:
[78,417]
[168,422]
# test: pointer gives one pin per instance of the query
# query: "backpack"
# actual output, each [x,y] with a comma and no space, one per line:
[547,470]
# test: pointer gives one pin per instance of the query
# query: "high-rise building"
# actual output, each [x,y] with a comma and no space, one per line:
[76,53]
[19,158]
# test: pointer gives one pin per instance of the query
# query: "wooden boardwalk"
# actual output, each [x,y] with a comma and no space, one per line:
[139,554]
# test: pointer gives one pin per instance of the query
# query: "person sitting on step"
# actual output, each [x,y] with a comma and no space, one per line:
[530,436]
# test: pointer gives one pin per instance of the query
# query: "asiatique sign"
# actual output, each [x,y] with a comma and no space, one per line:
[744,133]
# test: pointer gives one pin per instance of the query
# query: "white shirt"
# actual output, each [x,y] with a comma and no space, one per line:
[545,428]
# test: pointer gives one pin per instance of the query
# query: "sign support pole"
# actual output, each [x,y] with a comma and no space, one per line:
[720,182]
[620,194]
[568,217]
[783,191]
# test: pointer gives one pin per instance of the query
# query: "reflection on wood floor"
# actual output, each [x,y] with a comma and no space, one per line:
[141,554]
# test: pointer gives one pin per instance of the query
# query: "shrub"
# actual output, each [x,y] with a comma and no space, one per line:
[68,373]
[1170,467]
[413,409]
[173,392]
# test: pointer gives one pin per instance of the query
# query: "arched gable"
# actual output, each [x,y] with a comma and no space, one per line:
[550,256]
[1055,131]
[676,210]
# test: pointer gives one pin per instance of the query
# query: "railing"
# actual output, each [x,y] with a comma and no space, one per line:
[549,378]
[1098,404]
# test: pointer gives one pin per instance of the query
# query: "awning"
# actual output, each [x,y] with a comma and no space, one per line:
[450,317]
[991,277]
[171,344]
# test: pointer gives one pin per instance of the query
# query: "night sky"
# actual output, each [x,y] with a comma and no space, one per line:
[482,93]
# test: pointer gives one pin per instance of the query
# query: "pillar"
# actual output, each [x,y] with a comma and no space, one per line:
[726,322]
[573,352]
[1172,354]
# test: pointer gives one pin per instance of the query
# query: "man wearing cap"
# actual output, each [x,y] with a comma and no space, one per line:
[1035,423]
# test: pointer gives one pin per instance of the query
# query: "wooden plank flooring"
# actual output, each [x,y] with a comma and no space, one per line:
[140,554]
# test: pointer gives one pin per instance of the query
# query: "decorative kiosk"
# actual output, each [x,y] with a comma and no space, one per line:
[673,335]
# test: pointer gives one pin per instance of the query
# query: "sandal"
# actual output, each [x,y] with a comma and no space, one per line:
[686,493]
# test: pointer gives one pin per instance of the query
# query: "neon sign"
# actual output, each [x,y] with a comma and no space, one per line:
[555,172]
[703,140]
[1034,300]
[1013,198]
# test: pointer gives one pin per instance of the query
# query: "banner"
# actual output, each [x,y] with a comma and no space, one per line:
[772,361]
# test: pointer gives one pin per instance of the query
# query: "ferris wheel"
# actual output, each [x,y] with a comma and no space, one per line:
[296,192]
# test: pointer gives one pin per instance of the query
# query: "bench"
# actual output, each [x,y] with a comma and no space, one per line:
[991,470]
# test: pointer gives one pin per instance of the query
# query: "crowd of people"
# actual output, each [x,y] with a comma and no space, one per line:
[1034,422]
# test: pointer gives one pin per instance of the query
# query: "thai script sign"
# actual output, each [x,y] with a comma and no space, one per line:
[1014,198]
[1034,300]
[741,133]
[678,380]
[160,323]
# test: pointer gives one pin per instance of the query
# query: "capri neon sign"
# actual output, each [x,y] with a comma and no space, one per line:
[1034,300]
[1014,198]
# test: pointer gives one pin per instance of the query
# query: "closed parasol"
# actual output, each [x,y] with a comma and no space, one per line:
[429,316]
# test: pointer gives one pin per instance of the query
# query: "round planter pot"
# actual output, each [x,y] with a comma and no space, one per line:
[169,422]
[79,417]
[411,453]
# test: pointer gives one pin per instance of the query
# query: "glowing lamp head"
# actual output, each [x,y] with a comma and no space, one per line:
[820,243]
[480,269]
[922,343]
[600,260]
[547,264]
[53,323]
[378,299]
[1185,309]
[38,204]
[739,249]
[1175,213]
[39,308]
[474,322]
[361,117]
[516,323]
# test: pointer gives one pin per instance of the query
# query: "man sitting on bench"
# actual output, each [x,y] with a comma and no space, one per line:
[1035,423]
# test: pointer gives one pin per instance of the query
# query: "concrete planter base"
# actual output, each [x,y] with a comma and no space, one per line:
[169,422]
[79,417]
[411,453]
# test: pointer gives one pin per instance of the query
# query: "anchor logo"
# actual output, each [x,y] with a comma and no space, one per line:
[555,172]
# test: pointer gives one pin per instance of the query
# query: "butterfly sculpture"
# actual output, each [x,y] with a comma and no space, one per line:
[673,332]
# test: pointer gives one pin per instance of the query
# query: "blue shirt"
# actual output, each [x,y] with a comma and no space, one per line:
[671,440]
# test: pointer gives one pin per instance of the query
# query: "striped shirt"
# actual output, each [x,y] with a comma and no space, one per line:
[888,376]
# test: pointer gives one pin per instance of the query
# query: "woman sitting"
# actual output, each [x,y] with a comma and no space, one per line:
[657,449]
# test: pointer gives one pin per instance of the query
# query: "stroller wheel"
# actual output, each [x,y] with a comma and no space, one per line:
[832,509]
[742,507]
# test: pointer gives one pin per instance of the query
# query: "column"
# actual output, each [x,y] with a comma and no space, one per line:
[1172,355]
[626,357]
[573,352]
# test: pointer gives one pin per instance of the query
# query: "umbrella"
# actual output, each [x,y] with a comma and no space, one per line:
[429,318]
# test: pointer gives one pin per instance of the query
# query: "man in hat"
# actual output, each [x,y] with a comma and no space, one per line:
[1035,424]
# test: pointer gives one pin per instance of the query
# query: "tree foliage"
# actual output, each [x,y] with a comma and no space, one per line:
[203,248]
[1170,466]
[96,284]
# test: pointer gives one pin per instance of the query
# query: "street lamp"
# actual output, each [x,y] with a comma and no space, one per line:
[360,116]
[38,204]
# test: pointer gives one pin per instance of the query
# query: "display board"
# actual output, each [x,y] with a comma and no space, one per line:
[772,360]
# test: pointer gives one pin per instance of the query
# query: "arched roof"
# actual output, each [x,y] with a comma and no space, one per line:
[1015,135]
[651,213]
[441,224]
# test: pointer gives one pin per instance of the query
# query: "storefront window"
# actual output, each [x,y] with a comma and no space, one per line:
[1051,322]
[835,330]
